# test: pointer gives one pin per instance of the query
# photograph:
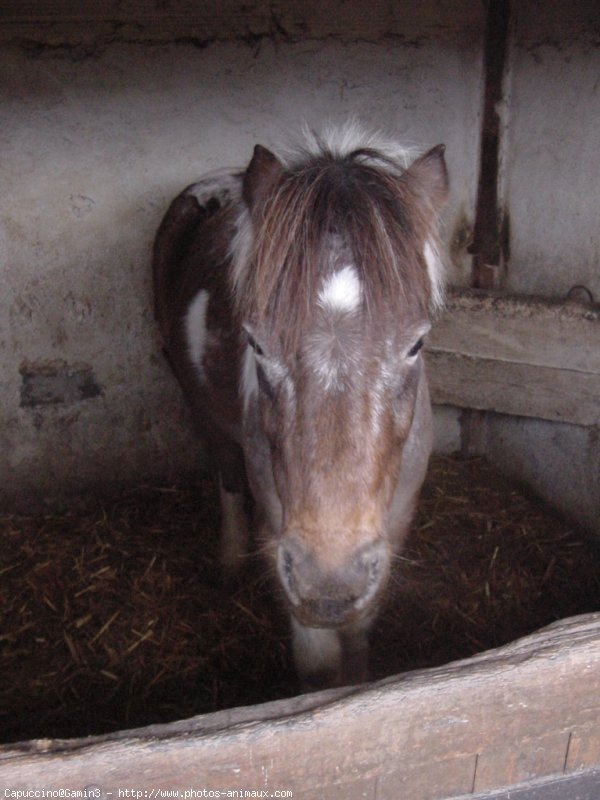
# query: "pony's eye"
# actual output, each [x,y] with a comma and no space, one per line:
[255,345]
[415,348]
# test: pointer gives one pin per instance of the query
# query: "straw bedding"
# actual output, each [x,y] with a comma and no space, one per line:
[113,614]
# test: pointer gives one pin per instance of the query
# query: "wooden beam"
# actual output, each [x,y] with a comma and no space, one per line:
[158,20]
[487,233]
[581,786]
[499,719]
[515,355]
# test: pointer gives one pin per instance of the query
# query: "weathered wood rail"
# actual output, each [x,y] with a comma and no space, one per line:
[516,355]
[526,712]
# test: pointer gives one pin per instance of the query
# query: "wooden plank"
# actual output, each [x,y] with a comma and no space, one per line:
[393,738]
[231,19]
[521,356]
[584,749]
[525,330]
[519,389]
[487,244]
[584,786]
[127,10]
[70,22]
[453,776]
[506,765]
[313,16]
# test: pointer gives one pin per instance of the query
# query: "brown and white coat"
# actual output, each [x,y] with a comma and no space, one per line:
[293,299]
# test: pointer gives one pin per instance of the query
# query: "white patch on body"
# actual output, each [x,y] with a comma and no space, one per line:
[341,292]
[195,330]
[221,185]
[234,528]
[316,650]
[225,186]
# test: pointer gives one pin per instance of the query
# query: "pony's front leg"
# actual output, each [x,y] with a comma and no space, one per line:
[317,656]
[234,530]
[355,652]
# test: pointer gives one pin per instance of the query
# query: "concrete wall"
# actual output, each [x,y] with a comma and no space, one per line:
[550,185]
[562,462]
[102,122]
[550,175]
[107,110]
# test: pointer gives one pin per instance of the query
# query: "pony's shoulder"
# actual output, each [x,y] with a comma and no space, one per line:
[217,188]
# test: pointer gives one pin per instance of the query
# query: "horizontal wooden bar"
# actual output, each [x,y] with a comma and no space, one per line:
[501,717]
[581,786]
[515,355]
[229,19]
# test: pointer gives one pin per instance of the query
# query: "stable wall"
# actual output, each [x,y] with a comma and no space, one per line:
[549,182]
[549,189]
[102,121]
[107,112]
[548,201]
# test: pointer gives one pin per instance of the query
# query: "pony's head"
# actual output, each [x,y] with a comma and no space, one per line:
[336,270]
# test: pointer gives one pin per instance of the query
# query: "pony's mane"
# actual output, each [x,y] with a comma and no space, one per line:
[341,141]
[339,186]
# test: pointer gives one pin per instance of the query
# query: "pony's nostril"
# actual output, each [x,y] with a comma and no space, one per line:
[374,568]
[372,565]
[329,596]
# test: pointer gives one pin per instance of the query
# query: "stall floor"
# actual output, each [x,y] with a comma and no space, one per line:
[113,613]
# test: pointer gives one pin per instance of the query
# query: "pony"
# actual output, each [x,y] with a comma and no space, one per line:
[293,298]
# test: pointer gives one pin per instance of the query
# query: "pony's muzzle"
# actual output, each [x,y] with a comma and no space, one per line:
[330,598]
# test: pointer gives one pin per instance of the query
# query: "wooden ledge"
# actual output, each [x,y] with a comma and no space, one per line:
[523,712]
[516,355]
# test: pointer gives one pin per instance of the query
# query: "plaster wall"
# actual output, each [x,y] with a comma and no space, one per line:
[96,138]
[561,462]
[107,111]
[550,176]
[550,187]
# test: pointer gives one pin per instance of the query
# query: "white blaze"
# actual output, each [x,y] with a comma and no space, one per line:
[341,291]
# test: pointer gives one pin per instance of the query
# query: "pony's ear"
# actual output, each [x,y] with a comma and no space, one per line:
[430,174]
[263,172]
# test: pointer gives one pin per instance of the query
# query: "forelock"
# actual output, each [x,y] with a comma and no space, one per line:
[346,187]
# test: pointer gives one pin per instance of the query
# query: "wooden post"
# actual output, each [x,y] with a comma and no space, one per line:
[489,219]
